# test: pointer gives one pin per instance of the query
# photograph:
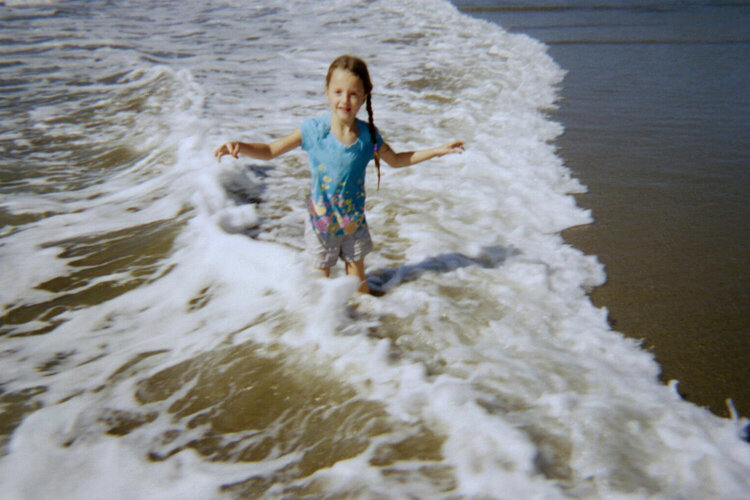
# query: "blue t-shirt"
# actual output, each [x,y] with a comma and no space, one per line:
[337,196]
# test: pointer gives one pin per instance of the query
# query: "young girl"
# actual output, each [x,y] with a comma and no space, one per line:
[339,147]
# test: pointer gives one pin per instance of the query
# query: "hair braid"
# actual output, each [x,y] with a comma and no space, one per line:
[373,136]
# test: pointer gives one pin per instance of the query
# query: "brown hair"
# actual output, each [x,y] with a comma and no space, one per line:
[358,67]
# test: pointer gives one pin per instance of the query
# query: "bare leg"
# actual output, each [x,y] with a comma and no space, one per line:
[358,269]
[325,270]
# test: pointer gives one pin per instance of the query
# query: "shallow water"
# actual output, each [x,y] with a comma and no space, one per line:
[163,338]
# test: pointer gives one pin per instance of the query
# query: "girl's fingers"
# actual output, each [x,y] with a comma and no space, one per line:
[456,147]
[230,148]
[223,150]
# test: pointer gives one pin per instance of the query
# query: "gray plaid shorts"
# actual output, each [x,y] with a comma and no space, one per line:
[324,251]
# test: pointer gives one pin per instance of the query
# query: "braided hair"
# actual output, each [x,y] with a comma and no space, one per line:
[358,67]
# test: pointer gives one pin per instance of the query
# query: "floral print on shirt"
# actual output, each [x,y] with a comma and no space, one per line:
[337,214]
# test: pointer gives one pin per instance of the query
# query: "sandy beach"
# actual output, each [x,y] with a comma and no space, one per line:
[655,108]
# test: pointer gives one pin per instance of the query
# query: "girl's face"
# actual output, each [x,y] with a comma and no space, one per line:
[345,94]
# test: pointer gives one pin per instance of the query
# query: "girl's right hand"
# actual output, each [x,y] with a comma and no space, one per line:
[230,148]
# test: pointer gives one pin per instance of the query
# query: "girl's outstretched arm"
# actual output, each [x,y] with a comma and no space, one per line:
[400,160]
[261,151]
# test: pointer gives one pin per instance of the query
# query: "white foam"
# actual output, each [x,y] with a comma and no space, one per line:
[103,468]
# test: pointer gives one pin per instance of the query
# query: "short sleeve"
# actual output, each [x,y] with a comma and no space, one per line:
[308,129]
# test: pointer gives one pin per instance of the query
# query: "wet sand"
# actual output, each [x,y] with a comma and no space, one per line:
[656,108]
[671,220]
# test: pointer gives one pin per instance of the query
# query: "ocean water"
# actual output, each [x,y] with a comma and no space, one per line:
[162,337]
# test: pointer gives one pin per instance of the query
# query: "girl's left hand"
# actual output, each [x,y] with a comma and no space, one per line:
[452,147]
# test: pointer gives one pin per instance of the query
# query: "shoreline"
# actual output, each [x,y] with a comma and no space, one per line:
[654,131]
[703,369]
